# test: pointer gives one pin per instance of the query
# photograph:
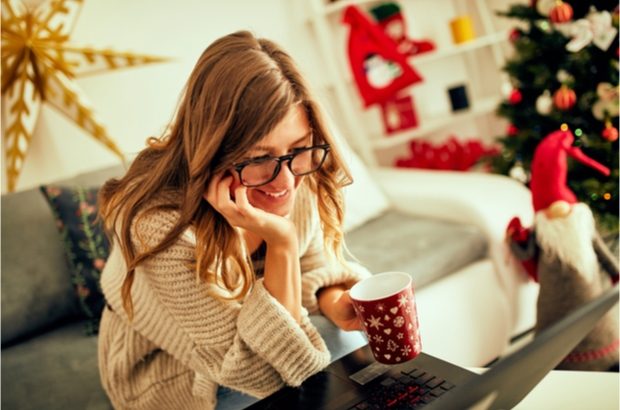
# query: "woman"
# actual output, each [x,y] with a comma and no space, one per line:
[226,234]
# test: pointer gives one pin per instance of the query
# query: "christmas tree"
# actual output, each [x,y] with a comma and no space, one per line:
[564,73]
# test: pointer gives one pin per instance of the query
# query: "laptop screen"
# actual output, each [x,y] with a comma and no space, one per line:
[506,383]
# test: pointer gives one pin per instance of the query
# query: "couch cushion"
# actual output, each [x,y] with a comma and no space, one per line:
[36,290]
[36,282]
[86,245]
[57,370]
[428,249]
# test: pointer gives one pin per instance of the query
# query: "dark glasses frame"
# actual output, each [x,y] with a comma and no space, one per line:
[288,158]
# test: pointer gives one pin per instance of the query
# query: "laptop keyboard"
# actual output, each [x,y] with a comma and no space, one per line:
[413,389]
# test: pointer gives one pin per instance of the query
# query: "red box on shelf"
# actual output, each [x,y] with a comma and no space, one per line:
[398,114]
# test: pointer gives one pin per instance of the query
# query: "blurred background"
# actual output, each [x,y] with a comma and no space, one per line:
[487,85]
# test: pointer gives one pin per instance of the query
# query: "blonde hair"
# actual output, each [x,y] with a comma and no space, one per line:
[239,90]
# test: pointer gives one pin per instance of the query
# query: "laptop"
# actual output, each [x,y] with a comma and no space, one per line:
[357,381]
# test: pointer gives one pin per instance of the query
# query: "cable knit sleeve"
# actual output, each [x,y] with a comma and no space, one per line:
[254,347]
[317,270]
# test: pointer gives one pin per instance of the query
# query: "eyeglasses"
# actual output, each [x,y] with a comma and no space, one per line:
[262,170]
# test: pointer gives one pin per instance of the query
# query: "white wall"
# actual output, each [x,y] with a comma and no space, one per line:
[136,103]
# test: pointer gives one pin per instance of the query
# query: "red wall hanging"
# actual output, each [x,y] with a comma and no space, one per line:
[379,69]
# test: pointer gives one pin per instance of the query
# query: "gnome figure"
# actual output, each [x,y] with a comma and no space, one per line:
[565,253]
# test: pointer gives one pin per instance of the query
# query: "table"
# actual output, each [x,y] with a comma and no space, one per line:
[564,389]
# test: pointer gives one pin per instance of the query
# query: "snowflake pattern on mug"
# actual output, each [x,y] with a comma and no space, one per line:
[375,322]
[403,300]
[391,326]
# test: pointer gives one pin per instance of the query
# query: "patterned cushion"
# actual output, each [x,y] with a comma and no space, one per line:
[86,246]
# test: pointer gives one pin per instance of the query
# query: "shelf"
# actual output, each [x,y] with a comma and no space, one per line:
[449,51]
[483,74]
[483,107]
[444,52]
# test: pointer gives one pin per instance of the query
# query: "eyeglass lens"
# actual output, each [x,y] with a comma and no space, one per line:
[304,162]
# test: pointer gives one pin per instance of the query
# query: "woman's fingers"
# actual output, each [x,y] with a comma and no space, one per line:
[218,194]
[242,202]
[345,297]
[238,212]
[210,194]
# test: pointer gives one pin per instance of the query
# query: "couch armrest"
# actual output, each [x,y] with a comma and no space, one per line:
[488,201]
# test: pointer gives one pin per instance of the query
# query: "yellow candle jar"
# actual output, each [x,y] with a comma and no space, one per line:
[462,29]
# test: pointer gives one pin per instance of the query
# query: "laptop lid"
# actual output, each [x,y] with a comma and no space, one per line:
[506,383]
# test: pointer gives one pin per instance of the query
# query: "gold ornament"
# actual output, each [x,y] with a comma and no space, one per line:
[39,65]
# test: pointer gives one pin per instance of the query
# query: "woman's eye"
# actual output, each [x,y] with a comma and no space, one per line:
[260,159]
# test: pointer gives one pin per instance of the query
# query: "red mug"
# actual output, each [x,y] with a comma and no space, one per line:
[385,305]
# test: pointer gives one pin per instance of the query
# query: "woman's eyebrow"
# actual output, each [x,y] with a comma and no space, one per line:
[266,148]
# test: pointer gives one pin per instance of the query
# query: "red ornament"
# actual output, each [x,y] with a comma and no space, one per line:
[610,133]
[512,130]
[561,13]
[515,34]
[564,98]
[515,97]
[453,155]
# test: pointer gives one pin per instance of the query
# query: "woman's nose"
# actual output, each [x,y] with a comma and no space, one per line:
[285,177]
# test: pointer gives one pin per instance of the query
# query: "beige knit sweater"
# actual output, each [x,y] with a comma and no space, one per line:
[182,343]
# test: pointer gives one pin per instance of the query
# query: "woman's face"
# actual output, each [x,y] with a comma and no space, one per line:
[278,196]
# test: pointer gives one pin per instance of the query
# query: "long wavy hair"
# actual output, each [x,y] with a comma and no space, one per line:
[239,90]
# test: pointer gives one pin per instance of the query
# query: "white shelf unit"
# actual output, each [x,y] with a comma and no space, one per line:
[477,109]
[481,60]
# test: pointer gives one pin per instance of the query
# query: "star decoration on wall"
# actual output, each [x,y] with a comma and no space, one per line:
[40,65]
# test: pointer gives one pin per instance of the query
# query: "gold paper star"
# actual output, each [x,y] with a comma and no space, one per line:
[39,65]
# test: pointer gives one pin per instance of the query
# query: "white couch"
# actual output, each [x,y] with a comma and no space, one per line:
[469,316]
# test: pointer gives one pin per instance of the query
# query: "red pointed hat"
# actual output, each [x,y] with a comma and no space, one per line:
[549,169]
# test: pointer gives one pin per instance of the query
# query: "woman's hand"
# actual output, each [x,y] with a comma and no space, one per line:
[281,277]
[335,303]
[273,229]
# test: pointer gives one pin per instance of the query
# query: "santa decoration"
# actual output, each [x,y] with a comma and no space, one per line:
[379,68]
[564,252]
[390,18]
[550,168]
